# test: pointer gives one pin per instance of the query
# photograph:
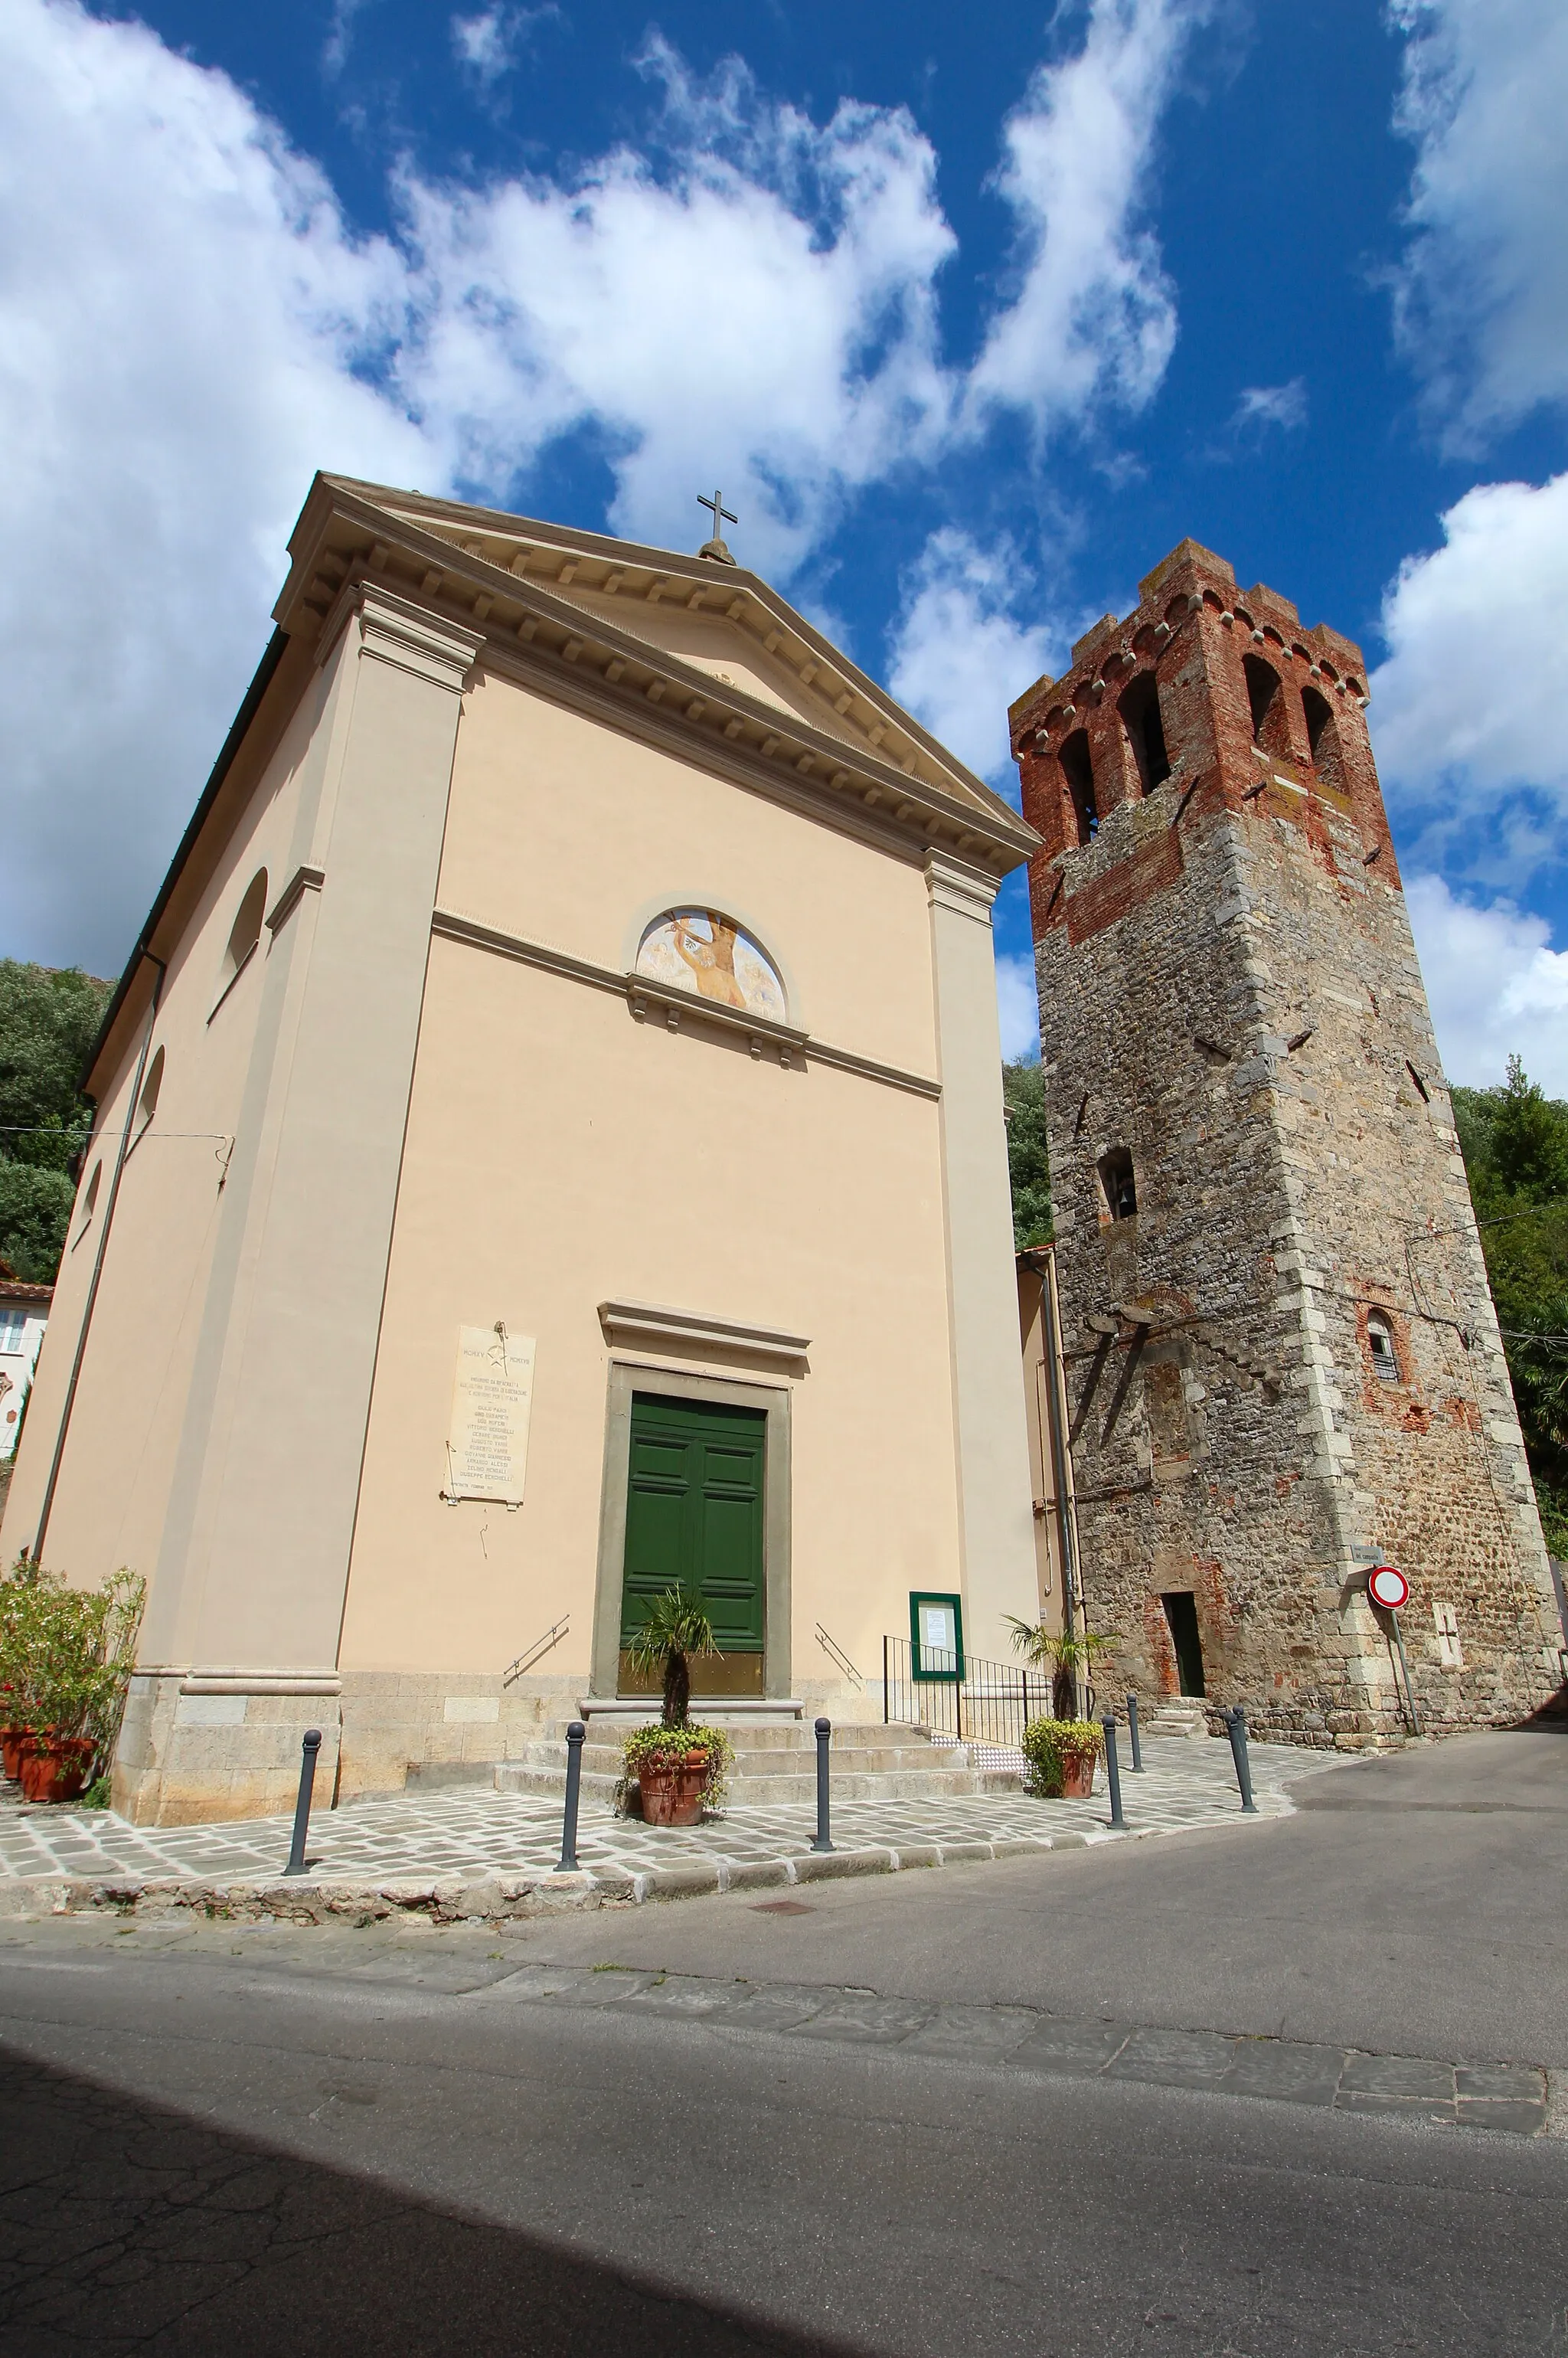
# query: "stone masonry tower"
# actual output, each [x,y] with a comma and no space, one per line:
[1283,1361]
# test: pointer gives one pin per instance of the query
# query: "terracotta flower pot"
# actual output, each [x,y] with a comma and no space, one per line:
[11,1741]
[672,1789]
[1079,1776]
[54,1767]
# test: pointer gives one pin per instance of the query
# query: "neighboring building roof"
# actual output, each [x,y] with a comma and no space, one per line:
[578,612]
[15,1289]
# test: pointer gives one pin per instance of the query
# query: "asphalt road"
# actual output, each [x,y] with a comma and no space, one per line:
[239,2140]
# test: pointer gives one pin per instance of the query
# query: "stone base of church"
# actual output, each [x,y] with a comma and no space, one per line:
[187,1757]
[219,1745]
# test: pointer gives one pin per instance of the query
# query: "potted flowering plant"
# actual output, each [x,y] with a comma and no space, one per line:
[676,1764]
[66,1656]
[1061,1756]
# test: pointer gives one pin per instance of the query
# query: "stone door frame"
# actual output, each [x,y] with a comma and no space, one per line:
[629,1376]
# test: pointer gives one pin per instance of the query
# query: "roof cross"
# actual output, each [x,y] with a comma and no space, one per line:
[721,515]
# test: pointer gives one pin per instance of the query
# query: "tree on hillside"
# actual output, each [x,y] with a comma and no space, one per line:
[47,1023]
[1515,1143]
[1028,1157]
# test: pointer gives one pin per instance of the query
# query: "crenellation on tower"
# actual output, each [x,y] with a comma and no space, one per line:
[1284,1364]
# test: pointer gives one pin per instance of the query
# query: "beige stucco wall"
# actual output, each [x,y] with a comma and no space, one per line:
[561,1153]
[112,1493]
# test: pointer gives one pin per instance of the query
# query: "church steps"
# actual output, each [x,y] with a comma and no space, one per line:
[776,1766]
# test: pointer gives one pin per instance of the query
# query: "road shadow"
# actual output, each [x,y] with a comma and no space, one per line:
[125,2226]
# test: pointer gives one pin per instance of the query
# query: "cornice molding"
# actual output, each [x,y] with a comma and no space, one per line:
[405,633]
[681,1008]
[955,884]
[652,1328]
[304,880]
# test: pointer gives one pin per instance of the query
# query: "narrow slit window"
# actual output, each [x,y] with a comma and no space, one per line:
[1079,771]
[152,1088]
[90,1202]
[1380,1343]
[1118,1183]
[1265,697]
[1323,737]
[247,930]
[1140,709]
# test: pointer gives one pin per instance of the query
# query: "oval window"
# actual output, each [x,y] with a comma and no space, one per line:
[707,953]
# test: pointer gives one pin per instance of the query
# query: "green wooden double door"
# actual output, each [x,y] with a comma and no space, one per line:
[694,1520]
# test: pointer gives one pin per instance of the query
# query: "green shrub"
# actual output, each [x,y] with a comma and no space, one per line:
[660,1744]
[1050,1744]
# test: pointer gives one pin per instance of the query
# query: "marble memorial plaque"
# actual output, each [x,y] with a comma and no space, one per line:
[488,1450]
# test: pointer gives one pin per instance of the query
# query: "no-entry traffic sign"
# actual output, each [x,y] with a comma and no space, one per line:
[1387,1586]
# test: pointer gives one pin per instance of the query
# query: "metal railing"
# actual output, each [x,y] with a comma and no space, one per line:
[965,1701]
[836,1653]
[535,1652]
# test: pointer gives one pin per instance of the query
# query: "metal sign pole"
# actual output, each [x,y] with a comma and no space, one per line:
[1411,1712]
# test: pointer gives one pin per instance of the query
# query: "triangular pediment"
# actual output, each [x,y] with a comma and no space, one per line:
[714,641]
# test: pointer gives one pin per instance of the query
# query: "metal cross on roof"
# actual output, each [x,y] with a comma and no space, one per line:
[721,515]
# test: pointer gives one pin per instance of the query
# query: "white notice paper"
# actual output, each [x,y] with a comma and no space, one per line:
[490,1400]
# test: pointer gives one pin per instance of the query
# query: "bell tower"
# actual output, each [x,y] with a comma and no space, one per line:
[1283,1361]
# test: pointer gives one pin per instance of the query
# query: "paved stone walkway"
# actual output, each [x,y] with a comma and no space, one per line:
[469,1832]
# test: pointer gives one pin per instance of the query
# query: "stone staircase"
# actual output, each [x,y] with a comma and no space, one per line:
[775,1762]
[1177,1715]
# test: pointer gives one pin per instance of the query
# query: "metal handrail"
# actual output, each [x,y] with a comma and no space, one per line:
[525,1660]
[831,1647]
[971,1702]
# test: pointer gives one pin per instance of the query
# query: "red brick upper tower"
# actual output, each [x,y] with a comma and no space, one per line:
[1285,1363]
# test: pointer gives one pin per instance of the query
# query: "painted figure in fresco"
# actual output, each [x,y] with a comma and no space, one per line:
[712,963]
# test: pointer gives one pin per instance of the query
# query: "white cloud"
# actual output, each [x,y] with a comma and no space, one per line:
[1094,314]
[180,312]
[1468,709]
[1260,406]
[1482,296]
[1497,987]
[1019,1008]
[760,313]
[960,655]
[490,43]
[190,328]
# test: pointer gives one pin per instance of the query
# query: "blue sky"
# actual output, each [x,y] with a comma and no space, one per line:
[974,313]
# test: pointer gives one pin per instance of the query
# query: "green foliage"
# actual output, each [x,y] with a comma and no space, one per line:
[1515,1143]
[1069,1656]
[66,1654]
[661,1744]
[47,1023]
[1028,1156]
[1051,1746]
[676,1627]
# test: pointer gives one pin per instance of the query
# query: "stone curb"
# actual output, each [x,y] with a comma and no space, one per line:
[495,1899]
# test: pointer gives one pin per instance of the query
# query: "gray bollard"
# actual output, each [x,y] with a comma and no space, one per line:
[1236,1725]
[1112,1773]
[1132,1731]
[567,1862]
[824,1735]
[310,1748]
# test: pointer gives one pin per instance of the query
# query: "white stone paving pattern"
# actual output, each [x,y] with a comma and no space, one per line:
[471,1830]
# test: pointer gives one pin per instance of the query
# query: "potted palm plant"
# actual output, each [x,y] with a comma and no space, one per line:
[1068,1655]
[678,1765]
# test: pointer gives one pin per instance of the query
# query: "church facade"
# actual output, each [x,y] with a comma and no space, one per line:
[548,1143]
